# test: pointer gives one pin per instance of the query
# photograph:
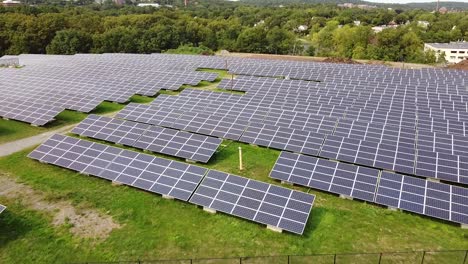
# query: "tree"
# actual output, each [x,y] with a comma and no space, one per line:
[159,38]
[70,41]
[253,40]
[323,40]
[120,39]
[280,41]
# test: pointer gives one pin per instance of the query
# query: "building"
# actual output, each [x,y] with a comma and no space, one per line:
[423,24]
[454,51]
[149,4]
[302,28]
[11,3]
[351,5]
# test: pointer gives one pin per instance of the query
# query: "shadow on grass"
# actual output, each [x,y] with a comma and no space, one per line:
[12,227]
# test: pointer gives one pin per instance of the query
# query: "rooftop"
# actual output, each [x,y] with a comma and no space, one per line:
[451,45]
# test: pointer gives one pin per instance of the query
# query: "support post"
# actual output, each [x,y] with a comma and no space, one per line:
[241,166]
[424,255]
[466,257]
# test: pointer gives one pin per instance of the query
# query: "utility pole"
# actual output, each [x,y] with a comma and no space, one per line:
[186,3]
[437,8]
[241,166]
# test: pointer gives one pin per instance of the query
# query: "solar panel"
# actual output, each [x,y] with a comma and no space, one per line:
[442,166]
[283,138]
[2,208]
[157,139]
[33,113]
[212,125]
[111,129]
[153,174]
[178,143]
[425,197]
[398,158]
[441,142]
[257,201]
[149,114]
[335,177]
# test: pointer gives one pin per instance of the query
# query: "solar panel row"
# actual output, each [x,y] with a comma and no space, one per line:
[153,138]
[81,83]
[257,201]
[417,195]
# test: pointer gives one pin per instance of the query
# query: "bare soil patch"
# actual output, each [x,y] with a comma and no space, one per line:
[85,223]
[463,65]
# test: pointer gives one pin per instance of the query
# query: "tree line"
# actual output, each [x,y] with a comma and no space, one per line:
[321,30]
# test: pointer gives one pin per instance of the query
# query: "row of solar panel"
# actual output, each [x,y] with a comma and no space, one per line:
[394,149]
[248,83]
[153,138]
[246,198]
[366,94]
[240,108]
[330,75]
[36,94]
[335,72]
[412,194]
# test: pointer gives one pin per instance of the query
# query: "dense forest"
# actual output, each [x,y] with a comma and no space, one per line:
[315,29]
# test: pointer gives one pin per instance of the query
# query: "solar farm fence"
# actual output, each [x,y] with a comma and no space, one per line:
[410,257]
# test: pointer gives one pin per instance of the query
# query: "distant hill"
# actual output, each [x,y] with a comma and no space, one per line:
[432,5]
[426,5]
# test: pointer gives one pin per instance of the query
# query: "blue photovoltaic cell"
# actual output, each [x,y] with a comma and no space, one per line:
[153,174]
[257,201]
[346,179]
[425,197]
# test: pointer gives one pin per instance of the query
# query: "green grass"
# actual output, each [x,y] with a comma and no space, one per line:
[139,99]
[212,86]
[11,130]
[223,74]
[155,228]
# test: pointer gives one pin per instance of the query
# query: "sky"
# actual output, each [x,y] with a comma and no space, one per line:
[411,1]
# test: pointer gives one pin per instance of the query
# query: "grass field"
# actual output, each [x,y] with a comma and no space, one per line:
[156,228]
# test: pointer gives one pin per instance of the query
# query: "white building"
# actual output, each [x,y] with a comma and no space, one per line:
[454,51]
[302,28]
[423,24]
[149,4]
[11,3]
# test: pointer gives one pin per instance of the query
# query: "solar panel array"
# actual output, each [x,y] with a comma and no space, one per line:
[257,201]
[50,84]
[411,122]
[364,118]
[153,138]
[408,193]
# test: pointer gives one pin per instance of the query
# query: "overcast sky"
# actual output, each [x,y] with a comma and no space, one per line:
[411,1]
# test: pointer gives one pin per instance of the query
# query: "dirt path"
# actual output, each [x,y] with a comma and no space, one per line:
[21,144]
[85,223]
